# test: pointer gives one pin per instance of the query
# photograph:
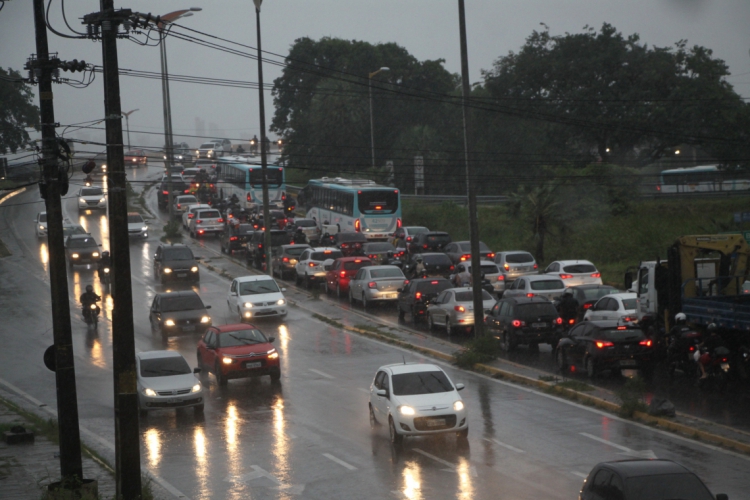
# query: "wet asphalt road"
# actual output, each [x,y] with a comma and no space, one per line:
[309,437]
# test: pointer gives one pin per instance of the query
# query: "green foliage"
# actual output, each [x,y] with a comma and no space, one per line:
[631,396]
[17,112]
[575,385]
[480,350]
[172,231]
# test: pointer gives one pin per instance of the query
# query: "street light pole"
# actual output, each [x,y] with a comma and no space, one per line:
[127,123]
[372,126]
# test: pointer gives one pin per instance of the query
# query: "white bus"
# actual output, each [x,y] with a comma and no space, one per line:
[236,175]
[705,178]
[353,205]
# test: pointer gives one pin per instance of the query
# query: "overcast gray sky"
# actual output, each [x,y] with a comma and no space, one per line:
[428,29]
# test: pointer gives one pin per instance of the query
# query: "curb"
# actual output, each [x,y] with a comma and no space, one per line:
[12,194]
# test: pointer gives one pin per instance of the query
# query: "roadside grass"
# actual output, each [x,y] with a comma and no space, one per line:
[612,242]
[575,385]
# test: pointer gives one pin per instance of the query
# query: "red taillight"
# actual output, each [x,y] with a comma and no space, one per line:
[372,284]
[165,192]
[187,191]
[343,274]
[501,277]
[529,295]
[460,309]
[566,276]
[409,238]
[260,245]
[596,275]
[518,323]
[190,216]
[418,295]
[558,321]
[622,327]
[506,267]
[424,246]
[587,305]
[285,259]
[378,207]
[398,223]
[536,267]
[200,231]
[452,268]
[571,321]
[465,257]
[220,220]
[691,348]
[199,221]
[658,188]
[724,360]
[230,216]
[311,264]
[233,238]
[357,225]
[646,343]
[601,344]
[249,197]
[490,255]
[179,205]
[372,256]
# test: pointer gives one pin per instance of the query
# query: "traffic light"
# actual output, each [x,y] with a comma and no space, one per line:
[88,167]
[73,66]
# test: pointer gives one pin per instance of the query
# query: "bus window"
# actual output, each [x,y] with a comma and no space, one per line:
[275,177]
[383,201]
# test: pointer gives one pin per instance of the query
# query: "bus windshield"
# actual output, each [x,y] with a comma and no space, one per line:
[381,201]
[275,177]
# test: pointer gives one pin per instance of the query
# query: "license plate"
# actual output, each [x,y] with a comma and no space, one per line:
[182,275]
[188,328]
[172,401]
[628,362]
[262,311]
[539,325]
[436,422]
[253,364]
[391,295]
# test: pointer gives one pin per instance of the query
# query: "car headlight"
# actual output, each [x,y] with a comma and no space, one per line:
[95,254]
[248,304]
[197,152]
[149,392]
[406,410]
[227,361]
[42,228]
[101,200]
[196,388]
[205,319]
[281,302]
[194,269]
[458,406]
[81,200]
[75,255]
[169,322]
[167,270]
[272,354]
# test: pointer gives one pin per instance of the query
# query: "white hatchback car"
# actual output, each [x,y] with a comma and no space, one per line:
[137,227]
[616,306]
[575,272]
[205,221]
[91,198]
[189,213]
[41,225]
[166,381]
[416,399]
[256,297]
[310,266]
[536,285]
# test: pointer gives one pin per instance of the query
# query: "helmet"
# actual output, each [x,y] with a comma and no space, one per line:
[712,328]
[89,288]
[568,291]
[418,258]
[105,254]
[680,317]
[299,230]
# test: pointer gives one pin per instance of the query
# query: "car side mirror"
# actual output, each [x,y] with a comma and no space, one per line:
[283,289]
[233,294]
[196,370]
[208,307]
[271,339]
[460,387]
[382,393]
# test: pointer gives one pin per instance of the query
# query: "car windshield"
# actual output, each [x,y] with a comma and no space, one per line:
[164,367]
[408,384]
[68,230]
[489,269]
[579,268]
[279,238]
[43,217]
[386,273]
[437,260]
[330,254]
[241,337]
[433,286]
[182,303]
[598,293]
[661,486]
[628,304]
[295,251]
[535,310]
[177,254]
[546,285]
[132,152]
[466,247]
[353,265]
[245,229]
[134,219]
[82,243]
[91,192]
[305,223]
[620,335]
[377,247]
[468,296]
[519,258]
[209,214]
[257,287]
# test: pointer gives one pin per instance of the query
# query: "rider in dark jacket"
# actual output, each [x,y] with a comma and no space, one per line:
[105,261]
[568,307]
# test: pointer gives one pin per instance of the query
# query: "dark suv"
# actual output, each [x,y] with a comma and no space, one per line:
[350,244]
[179,186]
[234,237]
[434,241]
[417,294]
[175,263]
[256,254]
[435,264]
[524,320]
[179,312]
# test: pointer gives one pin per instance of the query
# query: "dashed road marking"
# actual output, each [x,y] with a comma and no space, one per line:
[339,461]
[322,374]
[504,445]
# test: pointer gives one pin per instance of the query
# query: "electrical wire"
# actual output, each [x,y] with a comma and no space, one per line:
[62,6]
[53,30]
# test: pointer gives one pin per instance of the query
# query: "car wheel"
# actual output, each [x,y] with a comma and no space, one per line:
[562,363]
[401,313]
[396,438]
[338,291]
[297,279]
[275,375]
[351,297]
[463,433]
[221,379]
[374,424]
[364,301]
[590,367]
[430,323]
[307,281]
[505,342]
[448,326]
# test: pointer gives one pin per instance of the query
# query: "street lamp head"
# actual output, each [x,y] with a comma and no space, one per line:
[384,68]
[196,9]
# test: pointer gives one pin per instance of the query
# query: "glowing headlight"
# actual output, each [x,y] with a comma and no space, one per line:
[272,354]
[194,269]
[104,167]
[75,255]
[95,254]
[458,406]
[42,228]
[81,200]
[167,270]
[227,361]
[248,304]
[92,307]
[281,302]
[169,322]
[210,154]
[197,152]
[406,410]
[196,388]
[101,200]
[205,319]
[149,392]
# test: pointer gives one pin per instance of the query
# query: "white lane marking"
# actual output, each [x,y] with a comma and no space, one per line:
[451,467]
[625,450]
[322,374]
[579,474]
[504,445]
[91,435]
[339,461]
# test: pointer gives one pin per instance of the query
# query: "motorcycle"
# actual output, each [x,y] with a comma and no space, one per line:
[90,313]
[104,275]
[88,181]
[717,369]
[681,353]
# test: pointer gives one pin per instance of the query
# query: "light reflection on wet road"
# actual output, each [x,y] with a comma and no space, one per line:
[309,436]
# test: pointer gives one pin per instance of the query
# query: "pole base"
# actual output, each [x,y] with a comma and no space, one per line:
[86,489]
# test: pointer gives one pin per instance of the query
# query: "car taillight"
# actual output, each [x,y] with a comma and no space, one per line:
[529,295]
[558,321]
[372,284]
[260,245]
[199,221]
[646,342]
[571,321]
[566,276]
[372,256]
[424,246]
[501,277]
[490,255]
[518,323]
[220,220]
[187,191]
[691,348]
[601,344]
[249,197]
[233,238]
[536,267]
[311,264]
[357,225]
[459,309]
[343,274]
[165,192]
[418,295]
[452,268]
[506,267]
[179,205]
[190,216]
[465,257]
[398,223]
[285,259]
[596,275]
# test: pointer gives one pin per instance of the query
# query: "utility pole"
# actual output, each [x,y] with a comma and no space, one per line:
[71,468]
[167,121]
[263,157]
[127,435]
[476,265]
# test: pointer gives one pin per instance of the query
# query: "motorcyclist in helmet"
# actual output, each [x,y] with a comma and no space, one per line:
[463,276]
[419,269]
[299,236]
[88,298]
[710,344]
[568,307]
[104,261]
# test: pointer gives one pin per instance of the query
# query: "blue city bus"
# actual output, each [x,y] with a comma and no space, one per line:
[353,205]
[237,176]
[704,178]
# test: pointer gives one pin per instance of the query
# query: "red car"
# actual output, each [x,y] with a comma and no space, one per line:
[238,351]
[342,270]
[136,157]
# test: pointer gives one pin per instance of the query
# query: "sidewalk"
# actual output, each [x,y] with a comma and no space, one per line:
[27,469]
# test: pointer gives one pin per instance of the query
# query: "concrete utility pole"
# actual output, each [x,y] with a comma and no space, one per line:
[263,157]
[127,433]
[71,468]
[476,266]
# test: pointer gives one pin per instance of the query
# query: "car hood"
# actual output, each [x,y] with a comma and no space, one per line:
[179,264]
[262,297]
[242,350]
[191,314]
[136,226]
[440,400]
[170,382]
[92,197]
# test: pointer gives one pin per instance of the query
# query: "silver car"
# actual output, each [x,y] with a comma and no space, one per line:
[165,381]
[91,198]
[490,271]
[454,308]
[204,222]
[575,272]
[538,285]
[376,284]
[515,263]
